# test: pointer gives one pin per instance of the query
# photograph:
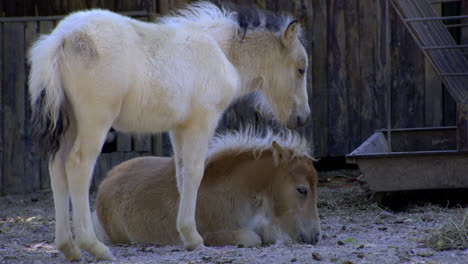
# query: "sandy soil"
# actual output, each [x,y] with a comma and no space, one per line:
[355,230]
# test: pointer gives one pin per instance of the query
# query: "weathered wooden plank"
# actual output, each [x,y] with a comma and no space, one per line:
[382,67]
[407,78]
[462,111]
[338,97]
[124,142]
[450,107]
[163,7]
[180,3]
[367,52]
[157,144]
[45,27]
[33,162]
[75,5]
[116,158]
[142,143]
[14,131]
[353,76]
[319,95]
[2,153]
[462,128]
[433,102]
[103,165]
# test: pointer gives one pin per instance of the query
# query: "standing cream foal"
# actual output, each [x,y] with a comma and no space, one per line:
[98,70]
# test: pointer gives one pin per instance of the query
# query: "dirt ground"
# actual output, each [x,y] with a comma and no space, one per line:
[355,230]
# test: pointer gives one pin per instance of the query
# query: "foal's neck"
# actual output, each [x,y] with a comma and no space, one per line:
[250,57]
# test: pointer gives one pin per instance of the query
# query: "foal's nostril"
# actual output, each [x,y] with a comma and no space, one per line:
[302,120]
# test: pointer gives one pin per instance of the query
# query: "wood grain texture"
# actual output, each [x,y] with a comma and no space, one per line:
[353,76]
[337,90]
[142,143]
[319,95]
[407,78]
[433,112]
[2,118]
[33,161]
[367,47]
[14,177]
[462,127]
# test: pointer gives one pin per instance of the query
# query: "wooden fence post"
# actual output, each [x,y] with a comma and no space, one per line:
[14,132]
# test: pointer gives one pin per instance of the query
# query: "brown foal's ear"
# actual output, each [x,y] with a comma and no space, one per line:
[289,35]
[280,155]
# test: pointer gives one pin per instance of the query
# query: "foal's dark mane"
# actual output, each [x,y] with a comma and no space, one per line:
[252,18]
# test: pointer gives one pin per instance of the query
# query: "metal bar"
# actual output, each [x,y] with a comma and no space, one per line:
[454,74]
[425,52]
[443,2]
[48,18]
[445,47]
[457,25]
[419,129]
[405,153]
[462,127]
[415,37]
[420,19]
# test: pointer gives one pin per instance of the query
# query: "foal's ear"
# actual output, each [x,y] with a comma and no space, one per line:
[289,35]
[280,155]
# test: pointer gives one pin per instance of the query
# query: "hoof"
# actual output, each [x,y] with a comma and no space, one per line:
[100,251]
[194,244]
[107,256]
[72,254]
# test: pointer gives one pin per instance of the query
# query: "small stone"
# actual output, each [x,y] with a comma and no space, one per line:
[382,228]
[343,228]
[360,255]
[340,242]
[316,256]
[293,259]
[385,215]
[147,249]
[347,262]
[41,229]
[424,252]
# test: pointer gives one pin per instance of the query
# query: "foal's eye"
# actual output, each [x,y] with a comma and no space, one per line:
[301,71]
[302,190]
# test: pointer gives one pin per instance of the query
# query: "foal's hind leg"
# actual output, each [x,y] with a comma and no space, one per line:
[63,236]
[91,133]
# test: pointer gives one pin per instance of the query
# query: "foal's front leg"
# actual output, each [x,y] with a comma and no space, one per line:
[190,147]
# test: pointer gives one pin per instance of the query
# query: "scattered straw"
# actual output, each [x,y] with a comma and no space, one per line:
[453,234]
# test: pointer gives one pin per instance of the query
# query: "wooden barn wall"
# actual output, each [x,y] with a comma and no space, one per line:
[359,53]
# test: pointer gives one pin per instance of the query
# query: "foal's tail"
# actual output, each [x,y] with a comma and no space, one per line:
[47,96]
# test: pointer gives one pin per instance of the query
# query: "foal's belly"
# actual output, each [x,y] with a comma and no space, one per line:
[151,113]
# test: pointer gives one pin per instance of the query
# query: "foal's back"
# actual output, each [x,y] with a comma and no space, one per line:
[139,192]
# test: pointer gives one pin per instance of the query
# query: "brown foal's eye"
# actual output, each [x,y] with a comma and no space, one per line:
[301,71]
[302,190]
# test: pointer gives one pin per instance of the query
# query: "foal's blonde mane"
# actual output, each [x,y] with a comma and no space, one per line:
[257,142]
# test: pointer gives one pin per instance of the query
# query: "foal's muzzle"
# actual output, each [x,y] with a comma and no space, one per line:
[299,118]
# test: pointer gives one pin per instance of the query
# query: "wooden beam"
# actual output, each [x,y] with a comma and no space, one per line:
[14,177]
[462,128]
